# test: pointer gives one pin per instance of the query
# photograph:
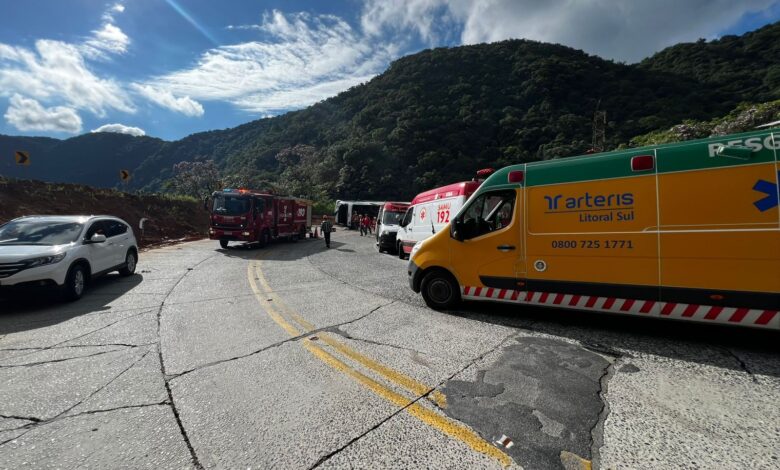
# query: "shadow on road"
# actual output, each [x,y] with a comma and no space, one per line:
[280,250]
[31,308]
[605,333]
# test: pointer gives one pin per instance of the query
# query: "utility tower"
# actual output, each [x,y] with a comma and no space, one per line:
[599,129]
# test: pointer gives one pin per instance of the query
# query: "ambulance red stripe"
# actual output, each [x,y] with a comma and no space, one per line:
[691,312]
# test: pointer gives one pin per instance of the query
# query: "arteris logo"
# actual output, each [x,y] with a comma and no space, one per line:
[588,201]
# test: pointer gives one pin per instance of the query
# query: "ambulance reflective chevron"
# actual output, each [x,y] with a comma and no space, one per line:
[688,231]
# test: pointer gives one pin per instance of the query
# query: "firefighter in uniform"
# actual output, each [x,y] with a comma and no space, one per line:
[326,228]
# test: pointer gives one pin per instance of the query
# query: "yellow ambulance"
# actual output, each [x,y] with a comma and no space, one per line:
[686,231]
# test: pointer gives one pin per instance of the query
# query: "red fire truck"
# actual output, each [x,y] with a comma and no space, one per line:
[256,217]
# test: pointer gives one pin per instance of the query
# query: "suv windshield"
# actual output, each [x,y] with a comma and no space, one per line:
[36,232]
[392,218]
[231,205]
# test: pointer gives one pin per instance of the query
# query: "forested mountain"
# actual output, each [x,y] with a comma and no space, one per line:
[94,159]
[436,116]
[744,68]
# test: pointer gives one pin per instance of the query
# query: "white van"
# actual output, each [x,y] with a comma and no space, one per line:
[387,225]
[345,209]
[431,211]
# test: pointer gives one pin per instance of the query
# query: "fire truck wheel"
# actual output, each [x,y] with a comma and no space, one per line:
[440,290]
[223,243]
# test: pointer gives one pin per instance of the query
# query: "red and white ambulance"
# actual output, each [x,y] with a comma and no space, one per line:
[431,211]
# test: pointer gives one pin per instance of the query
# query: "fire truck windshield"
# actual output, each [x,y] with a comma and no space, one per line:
[230,205]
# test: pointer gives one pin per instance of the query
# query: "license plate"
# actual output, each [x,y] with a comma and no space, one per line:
[228,233]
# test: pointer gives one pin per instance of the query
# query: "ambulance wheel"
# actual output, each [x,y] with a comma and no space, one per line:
[223,243]
[440,290]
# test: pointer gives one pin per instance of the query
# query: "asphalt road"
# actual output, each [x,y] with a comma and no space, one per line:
[295,356]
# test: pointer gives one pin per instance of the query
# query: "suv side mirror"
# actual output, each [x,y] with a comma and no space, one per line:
[97,238]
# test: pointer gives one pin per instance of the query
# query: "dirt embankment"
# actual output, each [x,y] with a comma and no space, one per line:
[169,218]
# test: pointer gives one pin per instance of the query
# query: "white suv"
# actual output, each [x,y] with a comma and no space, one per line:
[65,251]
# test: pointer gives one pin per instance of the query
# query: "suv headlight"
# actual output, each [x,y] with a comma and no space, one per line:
[44,260]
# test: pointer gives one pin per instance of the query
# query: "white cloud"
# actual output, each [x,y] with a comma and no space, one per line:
[308,58]
[166,99]
[120,129]
[107,40]
[57,71]
[430,19]
[266,103]
[108,16]
[621,30]
[27,114]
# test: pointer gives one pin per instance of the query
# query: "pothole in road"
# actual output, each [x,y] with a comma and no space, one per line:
[542,393]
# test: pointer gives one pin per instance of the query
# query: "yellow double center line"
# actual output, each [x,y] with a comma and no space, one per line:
[278,310]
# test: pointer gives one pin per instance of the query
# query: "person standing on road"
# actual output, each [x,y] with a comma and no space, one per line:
[369,225]
[326,228]
[362,223]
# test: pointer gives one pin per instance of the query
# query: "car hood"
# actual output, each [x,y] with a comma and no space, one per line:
[13,253]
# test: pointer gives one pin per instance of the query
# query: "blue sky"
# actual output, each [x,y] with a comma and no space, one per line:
[168,68]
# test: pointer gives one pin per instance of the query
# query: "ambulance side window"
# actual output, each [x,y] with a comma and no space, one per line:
[487,213]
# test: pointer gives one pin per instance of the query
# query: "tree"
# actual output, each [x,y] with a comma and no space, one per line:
[196,179]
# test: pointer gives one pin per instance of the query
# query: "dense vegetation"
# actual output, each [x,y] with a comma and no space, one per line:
[744,118]
[743,68]
[437,116]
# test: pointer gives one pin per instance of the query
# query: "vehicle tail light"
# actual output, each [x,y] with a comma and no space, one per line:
[516,176]
[485,172]
[642,163]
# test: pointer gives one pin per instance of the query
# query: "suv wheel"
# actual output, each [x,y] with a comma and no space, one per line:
[131,259]
[440,290]
[75,282]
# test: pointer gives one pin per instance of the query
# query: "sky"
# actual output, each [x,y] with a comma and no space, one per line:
[169,68]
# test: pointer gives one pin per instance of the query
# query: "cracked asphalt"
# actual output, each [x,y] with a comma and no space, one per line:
[295,356]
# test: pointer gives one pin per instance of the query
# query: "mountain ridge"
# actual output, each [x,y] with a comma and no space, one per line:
[435,116]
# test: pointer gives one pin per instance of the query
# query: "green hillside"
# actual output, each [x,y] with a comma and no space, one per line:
[436,116]
[744,68]
[94,159]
